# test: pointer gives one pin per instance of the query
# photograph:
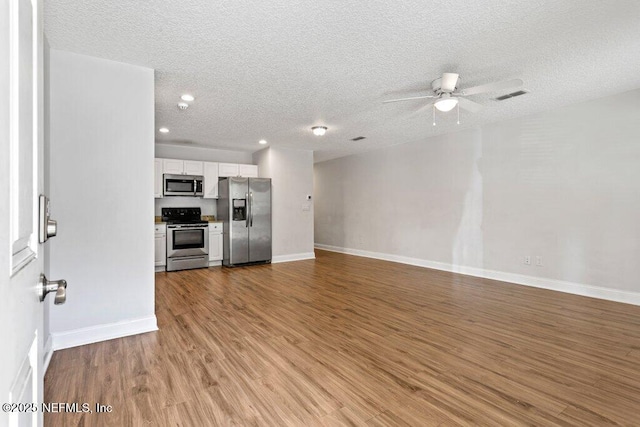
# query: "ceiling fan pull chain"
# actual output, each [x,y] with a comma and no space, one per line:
[434,115]
[458,112]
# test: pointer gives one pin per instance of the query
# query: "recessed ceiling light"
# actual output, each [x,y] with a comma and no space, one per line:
[262,141]
[183,105]
[187,97]
[164,130]
[319,130]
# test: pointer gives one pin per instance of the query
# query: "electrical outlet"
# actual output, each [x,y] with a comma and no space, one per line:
[527,260]
[539,261]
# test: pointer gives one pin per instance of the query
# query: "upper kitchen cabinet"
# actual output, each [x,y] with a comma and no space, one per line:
[175,167]
[248,171]
[182,167]
[234,169]
[210,180]
[227,169]
[157,178]
[193,168]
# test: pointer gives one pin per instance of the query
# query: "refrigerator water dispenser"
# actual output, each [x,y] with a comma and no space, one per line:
[239,209]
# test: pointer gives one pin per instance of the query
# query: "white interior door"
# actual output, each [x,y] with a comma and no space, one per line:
[21,136]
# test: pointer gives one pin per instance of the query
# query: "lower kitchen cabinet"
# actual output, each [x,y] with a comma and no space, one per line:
[161,246]
[215,243]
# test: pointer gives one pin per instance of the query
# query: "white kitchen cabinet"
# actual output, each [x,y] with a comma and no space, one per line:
[215,243]
[206,169]
[193,168]
[160,246]
[181,167]
[234,169]
[172,166]
[210,180]
[227,169]
[157,178]
[249,171]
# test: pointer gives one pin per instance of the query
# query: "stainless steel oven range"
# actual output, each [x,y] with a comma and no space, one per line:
[187,239]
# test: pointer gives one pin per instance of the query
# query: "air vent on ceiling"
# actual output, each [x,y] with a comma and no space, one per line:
[358,138]
[511,95]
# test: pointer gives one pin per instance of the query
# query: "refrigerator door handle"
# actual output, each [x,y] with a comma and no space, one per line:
[246,197]
[251,208]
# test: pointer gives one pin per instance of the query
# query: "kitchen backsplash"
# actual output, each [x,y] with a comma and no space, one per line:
[208,206]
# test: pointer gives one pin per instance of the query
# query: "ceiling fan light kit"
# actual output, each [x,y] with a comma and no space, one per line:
[319,130]
[445,104]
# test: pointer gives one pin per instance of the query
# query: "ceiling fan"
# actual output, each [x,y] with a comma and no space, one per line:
[446,93]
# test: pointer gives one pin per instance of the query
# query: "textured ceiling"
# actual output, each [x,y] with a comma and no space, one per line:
[272,69]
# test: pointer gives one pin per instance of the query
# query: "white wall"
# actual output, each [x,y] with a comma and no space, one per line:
[101,171]
[184,152]
[291,173]
[563,185]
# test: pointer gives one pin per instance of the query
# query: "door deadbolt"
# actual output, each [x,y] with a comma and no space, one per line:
[58,286]
[48,227]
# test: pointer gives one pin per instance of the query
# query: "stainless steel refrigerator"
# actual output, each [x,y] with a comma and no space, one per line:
[244,207]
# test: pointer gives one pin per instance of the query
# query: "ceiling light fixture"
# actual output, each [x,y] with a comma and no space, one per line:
[446,103]
[187,97]
[262,142]
[164,130]
[319,130]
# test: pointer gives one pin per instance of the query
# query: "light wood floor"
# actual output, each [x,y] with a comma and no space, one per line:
[344,340]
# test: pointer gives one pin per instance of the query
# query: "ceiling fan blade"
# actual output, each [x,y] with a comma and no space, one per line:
[449,81]
[409,99]
[493,87]
[422,108]
[469,105]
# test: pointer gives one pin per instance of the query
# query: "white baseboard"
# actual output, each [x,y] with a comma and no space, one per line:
[520,279]
[47,353]
[105,332]
[293,257]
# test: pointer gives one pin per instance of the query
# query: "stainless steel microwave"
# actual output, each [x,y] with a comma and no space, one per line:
[183,185]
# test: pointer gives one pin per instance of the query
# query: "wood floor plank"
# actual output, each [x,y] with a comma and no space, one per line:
[343,340]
